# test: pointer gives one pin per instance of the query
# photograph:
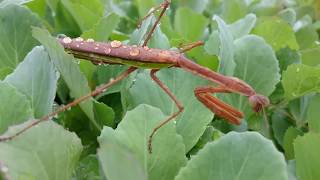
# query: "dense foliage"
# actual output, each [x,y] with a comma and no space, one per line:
[273,45]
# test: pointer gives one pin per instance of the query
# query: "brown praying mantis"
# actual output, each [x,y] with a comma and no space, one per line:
[115,52]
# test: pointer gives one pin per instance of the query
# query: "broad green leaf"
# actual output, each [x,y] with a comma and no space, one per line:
[236,156]
[46,151]
[287,56]
[290,135]
[298,108]
[299,80]
[307,156]
[197,6]
[243,26]
[86,13]
[15,107]
[280,123]
[129,143]
[288,15]
[192,122]
[4,72]
[232,10]
[278,33]
[68,69]
[257,65]
[105,73]
[103,114]
[238,29]
[15,34]
[114,158]
[307,37]
[292,170]
[88,168]
[5,3]
[226,54]
[36,78]
[189,24]
[310,56]
[102,30]
[313,114]
[138,35]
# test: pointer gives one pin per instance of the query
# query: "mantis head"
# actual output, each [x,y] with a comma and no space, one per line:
[258,102]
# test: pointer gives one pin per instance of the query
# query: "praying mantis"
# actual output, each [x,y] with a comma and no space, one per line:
[115,52]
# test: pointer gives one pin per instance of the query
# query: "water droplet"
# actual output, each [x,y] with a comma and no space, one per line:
[77,45]
[134,52]
[90,40]
[107,51]
[115,44]
[146,48]
[81,43]
[67,40]
[96,48]
[79,39]
[298,69]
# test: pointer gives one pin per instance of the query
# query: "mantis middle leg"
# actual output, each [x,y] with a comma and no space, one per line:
[172,116]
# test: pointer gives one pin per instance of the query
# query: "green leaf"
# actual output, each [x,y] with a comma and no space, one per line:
[299,80]
[288,15]
[192,122]
[88,168]
[129,143]
[288,139]
[313,114]
[105,73]
[184,18]
[103,29]
[15,107]
[5,3]
[46,151]
[114,158]
[257,65]
[238,29]
[232,10]
[310,56]
[243,26]
[287,56]
[307,155]
[307,37]
[36,78]
[226,54]
[236,156]
[86,13]
[280,123]
[103,114]
[277,33]
[4,72]
[15,34]
[68,69]
[197,6]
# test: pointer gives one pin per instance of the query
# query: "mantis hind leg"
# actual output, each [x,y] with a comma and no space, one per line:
[97,91]
[172,116]
[220,108]
[164,7]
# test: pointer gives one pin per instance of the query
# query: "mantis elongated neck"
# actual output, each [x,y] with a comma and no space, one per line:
[233,84]
[204,72]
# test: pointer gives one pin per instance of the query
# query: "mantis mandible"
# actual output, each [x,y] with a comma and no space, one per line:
[115,52]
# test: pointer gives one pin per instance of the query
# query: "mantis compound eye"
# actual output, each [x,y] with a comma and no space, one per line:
[258,102]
